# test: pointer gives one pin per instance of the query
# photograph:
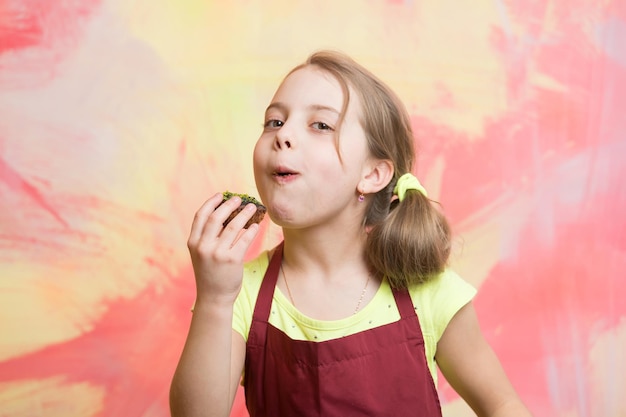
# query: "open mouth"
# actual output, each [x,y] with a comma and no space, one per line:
[284,173]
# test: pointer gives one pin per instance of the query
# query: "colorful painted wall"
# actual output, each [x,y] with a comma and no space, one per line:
[118,118]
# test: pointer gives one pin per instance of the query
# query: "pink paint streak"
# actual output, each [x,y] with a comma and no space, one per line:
[543,305]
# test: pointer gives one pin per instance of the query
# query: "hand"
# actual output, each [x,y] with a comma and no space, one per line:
[217,252]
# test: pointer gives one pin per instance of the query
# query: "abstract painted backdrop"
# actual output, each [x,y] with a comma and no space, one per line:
[119,118]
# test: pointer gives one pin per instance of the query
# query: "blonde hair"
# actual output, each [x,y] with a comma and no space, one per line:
[409,242]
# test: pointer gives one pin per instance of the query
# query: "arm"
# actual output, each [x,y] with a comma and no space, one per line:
[473,370]
[210,366]
[209,369]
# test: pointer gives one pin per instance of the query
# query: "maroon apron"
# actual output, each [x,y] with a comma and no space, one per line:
[377,372]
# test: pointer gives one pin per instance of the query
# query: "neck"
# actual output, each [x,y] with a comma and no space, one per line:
[327,273]
[332,255]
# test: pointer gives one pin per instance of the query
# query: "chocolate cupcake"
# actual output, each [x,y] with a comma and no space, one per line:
[245,200]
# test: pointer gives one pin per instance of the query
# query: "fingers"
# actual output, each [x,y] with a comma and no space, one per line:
[244,240]
[209,219]
[201,217]
[235,227]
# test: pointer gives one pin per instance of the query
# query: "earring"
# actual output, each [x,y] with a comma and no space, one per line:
[361,198]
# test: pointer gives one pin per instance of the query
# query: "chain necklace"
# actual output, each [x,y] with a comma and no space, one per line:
[358,305]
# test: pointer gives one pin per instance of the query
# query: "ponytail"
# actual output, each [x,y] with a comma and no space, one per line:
[412,243]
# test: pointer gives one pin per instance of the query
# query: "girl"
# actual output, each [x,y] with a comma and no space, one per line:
[351,314]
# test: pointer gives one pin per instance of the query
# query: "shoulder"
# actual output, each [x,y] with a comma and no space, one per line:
[439,299]
[448,283]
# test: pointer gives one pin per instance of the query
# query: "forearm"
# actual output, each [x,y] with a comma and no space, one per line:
[472,368]
[202,382]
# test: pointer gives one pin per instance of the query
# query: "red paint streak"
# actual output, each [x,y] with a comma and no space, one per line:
[36,36]
[15,181]
[131,352]
[18,28]
[30,23]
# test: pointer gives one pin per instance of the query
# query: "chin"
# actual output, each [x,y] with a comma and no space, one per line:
[280,215]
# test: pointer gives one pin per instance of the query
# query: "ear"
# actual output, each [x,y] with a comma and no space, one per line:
[376,176]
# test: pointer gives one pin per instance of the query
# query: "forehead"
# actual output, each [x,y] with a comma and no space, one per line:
[313,85]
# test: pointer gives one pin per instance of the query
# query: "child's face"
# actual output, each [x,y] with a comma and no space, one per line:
[298,173]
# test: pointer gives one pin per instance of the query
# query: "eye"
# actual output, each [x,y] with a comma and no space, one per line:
[321,126]
[273,123]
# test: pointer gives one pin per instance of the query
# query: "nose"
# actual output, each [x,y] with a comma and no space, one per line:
[283,140]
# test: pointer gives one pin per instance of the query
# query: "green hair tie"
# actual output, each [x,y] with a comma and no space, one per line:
[408,182]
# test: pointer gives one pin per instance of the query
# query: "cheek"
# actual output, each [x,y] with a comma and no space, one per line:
[353,145]
[354,148]
[258,169]
[257,157]
[325,165]
[334,179]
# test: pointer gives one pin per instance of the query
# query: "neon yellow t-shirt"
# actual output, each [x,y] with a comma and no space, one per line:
[436,302]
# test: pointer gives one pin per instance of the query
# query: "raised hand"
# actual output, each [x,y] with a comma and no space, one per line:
[217,252]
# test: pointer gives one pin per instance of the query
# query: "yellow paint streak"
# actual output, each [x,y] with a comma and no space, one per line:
[546,82]
[608,371]
[476,251]
[484,239]
[442,66]
[51,397]
[43,305]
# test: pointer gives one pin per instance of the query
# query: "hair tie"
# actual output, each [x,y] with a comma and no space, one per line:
[408,182]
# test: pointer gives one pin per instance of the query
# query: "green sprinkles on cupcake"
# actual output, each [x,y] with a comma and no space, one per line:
[245,200]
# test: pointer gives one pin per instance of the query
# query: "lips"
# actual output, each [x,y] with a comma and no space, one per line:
[284,173]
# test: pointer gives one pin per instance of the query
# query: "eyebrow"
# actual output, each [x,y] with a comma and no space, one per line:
[281,106]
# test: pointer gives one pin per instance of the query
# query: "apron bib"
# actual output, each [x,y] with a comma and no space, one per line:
[377,372]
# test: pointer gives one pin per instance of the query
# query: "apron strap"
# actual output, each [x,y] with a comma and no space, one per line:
[404,302]
[266,292]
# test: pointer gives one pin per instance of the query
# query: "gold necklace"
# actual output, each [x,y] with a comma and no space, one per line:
[358,305]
